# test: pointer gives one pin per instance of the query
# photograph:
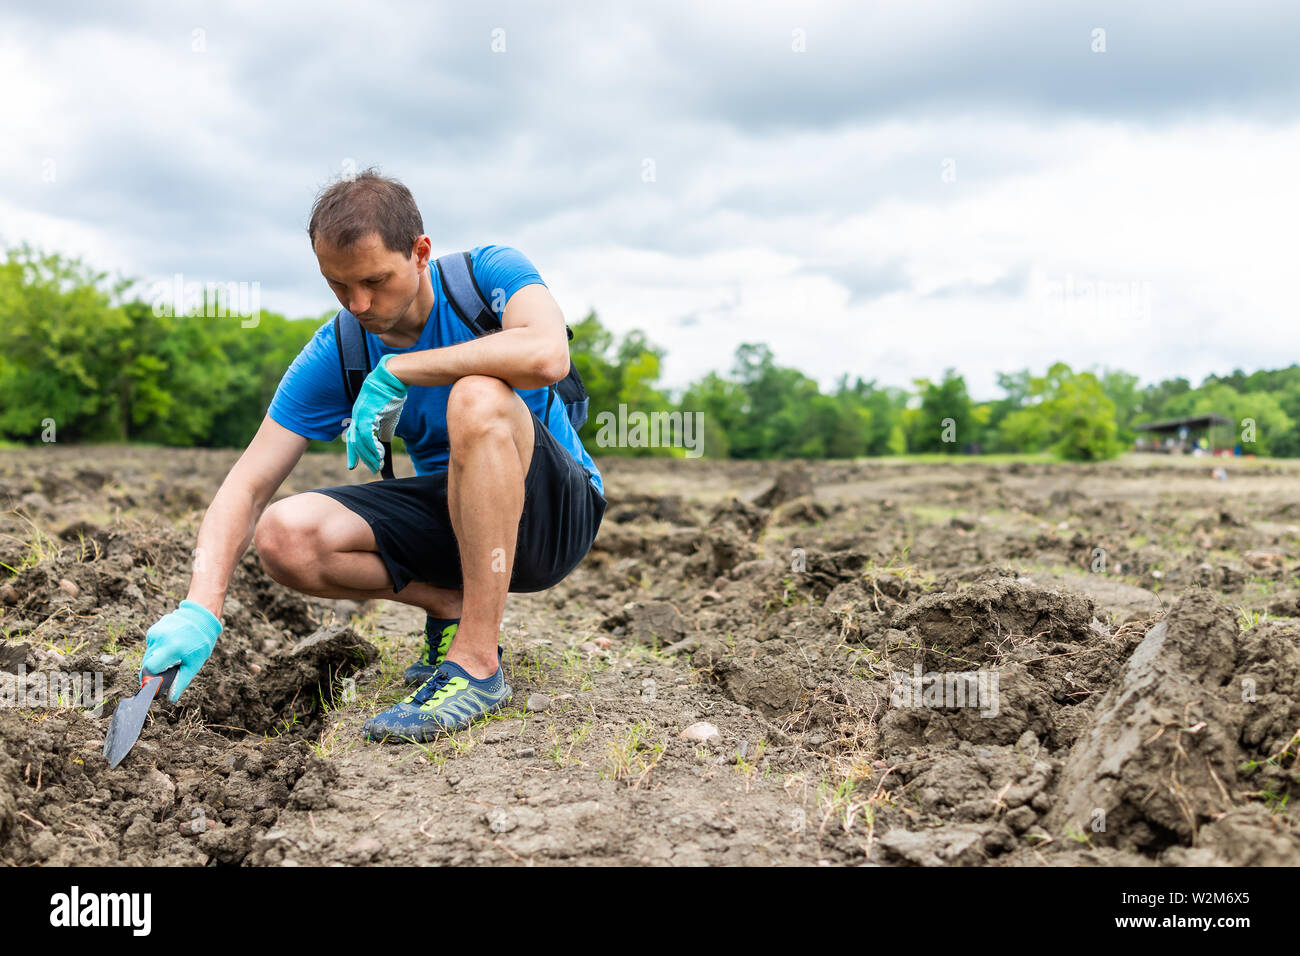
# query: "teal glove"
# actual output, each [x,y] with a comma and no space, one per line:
[186,636]
[374,417]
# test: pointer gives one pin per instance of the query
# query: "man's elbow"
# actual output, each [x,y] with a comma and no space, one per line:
[552,367]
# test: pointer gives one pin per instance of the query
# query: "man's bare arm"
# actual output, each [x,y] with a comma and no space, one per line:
[531,351]
[230,520]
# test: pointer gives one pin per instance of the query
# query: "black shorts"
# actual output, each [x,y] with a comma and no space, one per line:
[412,526]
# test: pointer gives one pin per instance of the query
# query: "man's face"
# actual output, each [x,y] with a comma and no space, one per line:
[372,282]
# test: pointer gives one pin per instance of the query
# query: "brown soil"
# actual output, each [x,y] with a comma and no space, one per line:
[1135,622]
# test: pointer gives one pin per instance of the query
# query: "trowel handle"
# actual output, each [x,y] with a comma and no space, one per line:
[167,676]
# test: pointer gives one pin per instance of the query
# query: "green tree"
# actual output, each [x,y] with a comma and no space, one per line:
[1122,389]
[61,349]
[623,372]
[1068,412]
[945,422]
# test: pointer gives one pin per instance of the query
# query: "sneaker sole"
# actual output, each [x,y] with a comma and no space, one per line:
[438,730]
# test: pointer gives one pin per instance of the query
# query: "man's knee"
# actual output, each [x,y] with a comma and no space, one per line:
[287,543]
[479,405]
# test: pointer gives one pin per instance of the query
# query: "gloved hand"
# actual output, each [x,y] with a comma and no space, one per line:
[186,636]
[374,417]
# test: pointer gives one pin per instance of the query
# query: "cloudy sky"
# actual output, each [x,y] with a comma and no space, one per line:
[882,189]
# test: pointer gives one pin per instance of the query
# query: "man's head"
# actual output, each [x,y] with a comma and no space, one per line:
[369,239]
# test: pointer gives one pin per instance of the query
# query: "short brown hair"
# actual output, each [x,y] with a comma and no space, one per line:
[348,210]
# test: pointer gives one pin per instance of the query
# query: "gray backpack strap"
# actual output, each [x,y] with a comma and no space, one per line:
[468,302]
[457,273]
[354,362]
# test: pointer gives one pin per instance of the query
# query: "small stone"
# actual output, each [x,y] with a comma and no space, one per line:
[589,648]
[526,752]
[254,669]
[648,689]
[8,594]
[161,790]
[68,587]
[537,703]
[499,821]
[604,643]
[701,732]
[270,646]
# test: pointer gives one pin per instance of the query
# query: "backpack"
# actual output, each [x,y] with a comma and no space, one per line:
[470,305]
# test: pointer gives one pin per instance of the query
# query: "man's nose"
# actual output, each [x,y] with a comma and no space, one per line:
[358,303]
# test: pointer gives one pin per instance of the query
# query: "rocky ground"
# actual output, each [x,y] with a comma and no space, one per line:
[880,662]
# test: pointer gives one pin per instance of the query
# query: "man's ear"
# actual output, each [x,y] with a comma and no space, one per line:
[422,250]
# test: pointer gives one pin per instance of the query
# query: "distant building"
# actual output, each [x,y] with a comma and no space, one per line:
[1181,436]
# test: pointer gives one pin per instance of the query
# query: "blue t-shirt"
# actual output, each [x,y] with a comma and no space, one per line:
[311,400]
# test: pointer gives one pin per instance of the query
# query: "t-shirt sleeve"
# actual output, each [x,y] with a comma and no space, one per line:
[500,272]
[310,400]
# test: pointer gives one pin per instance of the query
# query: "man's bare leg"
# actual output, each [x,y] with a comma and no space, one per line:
[490,430]
[317,545]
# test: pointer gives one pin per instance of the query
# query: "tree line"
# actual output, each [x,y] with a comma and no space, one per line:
[80,354]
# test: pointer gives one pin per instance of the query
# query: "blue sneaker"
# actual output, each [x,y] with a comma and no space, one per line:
[438,635]
[449,700]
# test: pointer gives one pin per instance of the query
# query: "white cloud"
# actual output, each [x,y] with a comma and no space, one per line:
[797,199]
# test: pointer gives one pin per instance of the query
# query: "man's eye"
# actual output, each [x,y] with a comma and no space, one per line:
[374,282]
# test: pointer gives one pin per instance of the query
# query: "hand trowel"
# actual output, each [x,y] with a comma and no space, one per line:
[128,718]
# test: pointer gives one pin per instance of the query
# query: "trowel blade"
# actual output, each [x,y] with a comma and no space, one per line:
[128,718]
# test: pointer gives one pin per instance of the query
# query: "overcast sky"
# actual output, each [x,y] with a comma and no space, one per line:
[885,189]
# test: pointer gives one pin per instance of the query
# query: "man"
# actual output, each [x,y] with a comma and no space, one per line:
[505,496]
